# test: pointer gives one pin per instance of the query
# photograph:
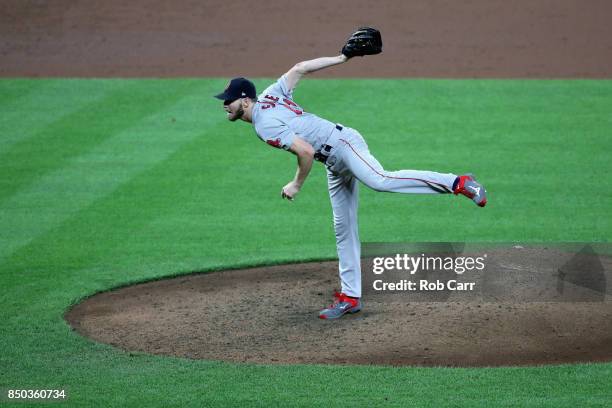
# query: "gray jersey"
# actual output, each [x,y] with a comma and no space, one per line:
[277,119]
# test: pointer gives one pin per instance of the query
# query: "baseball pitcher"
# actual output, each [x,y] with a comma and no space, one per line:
[280,122]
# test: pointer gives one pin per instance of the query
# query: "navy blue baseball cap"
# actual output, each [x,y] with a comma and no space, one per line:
[238,88]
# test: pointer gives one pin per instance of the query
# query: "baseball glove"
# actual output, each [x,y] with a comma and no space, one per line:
[364,41]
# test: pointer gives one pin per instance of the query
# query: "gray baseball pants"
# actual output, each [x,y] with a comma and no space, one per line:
[350,161]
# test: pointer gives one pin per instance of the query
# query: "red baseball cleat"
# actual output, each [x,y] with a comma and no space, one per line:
[469,187]
[341,306]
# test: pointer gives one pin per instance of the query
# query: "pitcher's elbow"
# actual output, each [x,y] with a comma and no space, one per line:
[301,67]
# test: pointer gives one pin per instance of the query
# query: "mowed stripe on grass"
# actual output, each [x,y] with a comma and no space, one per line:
[30,107]
[85,155]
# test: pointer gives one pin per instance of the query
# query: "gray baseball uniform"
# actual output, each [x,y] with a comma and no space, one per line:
[277,120]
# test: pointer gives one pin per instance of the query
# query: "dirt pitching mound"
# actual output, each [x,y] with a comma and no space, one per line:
[269,315]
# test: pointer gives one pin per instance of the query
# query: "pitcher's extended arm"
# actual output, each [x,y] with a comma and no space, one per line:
[306,67]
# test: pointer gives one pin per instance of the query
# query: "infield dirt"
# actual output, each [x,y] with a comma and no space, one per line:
[424,38]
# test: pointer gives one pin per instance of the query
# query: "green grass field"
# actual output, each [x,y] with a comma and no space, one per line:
[107,182]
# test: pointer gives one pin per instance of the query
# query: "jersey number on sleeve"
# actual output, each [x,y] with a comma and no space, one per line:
[271,101]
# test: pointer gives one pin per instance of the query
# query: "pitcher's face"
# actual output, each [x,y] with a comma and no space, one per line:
[234,109]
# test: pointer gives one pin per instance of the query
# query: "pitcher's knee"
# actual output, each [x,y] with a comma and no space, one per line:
[377,183]
[342,222]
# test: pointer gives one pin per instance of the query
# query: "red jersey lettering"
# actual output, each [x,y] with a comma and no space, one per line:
[275,143]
